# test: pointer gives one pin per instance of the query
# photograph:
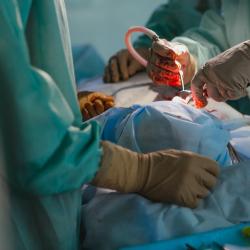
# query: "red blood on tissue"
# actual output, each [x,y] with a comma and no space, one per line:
[199,104]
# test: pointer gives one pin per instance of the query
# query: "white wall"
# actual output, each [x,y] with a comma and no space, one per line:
[103,23]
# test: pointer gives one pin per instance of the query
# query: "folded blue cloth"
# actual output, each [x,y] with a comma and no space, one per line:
[114,220]
[166,125]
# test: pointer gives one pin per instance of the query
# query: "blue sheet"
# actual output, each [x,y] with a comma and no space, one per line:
[167,125]
[113,220]
[230,235]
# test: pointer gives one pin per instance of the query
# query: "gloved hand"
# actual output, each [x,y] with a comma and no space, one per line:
[122,66]
[224,77]
[94,103]
[165,61]
[172,176]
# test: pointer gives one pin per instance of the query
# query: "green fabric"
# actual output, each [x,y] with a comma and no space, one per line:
[217,33]
[49,152]
[59,152]
[207,40]
[51,222]
[242,105]
[171,20]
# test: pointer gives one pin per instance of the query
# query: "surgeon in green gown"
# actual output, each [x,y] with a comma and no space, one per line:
[50,153]
[217,32]
[223,24]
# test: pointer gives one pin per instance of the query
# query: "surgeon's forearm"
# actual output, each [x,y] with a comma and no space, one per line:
[246,48]
[225,76]
[233,66]
[247,53]
[207,40]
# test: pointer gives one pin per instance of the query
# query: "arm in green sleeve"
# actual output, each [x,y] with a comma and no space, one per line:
[57,155]
[170,20]
[207,40]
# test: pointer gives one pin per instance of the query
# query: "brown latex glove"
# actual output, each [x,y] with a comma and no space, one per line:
[122,66]
[94,103]
[172,176]
[224,77]
[165,61]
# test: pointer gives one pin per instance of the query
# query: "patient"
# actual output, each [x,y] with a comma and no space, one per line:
[168,125]
[161,125]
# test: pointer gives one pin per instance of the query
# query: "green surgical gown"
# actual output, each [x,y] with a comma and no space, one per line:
[50,154]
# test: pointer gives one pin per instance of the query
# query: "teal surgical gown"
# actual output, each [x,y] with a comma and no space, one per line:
[51,154]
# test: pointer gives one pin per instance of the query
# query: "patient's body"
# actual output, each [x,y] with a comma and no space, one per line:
[167,125]
[135,220]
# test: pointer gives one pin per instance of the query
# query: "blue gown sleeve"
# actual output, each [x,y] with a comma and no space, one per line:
[58,152]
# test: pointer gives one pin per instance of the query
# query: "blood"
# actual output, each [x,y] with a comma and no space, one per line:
[199,104]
